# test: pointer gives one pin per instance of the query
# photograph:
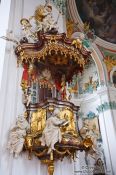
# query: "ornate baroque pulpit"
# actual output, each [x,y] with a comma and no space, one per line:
[50,68]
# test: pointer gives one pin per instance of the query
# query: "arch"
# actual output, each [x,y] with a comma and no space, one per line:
[76,18]
[97,57]
[96,54]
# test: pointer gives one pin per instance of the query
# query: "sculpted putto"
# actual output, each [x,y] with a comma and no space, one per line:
[16,136]
[41,21]
[44,19]
[52,134]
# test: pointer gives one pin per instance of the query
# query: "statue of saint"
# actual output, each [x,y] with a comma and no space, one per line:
[17,136]
[52,133]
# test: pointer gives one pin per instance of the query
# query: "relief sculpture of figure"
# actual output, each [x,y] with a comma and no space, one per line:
[16,136]
[51,133]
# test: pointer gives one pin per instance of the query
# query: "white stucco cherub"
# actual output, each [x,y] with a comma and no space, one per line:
[17,136]
[44,19]
[52,134]
[27,30]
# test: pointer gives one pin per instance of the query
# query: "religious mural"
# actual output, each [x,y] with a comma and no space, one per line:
[101,15]
[110,62]
[88,81]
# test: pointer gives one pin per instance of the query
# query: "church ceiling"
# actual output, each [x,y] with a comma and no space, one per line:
[101,15]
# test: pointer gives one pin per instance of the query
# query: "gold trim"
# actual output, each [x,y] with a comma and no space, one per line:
[68,52]
[40,154]
[110,63]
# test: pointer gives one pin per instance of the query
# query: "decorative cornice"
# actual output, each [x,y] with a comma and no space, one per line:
[49,43]
[90,98]
[106,106]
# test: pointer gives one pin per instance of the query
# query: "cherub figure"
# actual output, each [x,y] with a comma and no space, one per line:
[27,29]
[41,21]
[44,19]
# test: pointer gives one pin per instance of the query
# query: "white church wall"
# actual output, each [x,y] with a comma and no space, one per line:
[8,101]
[81,167]
[109,123]
[91,103]
[3,31]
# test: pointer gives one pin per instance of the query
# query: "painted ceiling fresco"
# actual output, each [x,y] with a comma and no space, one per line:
[101,15]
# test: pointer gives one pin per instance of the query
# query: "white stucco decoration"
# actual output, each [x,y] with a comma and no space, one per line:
[17,136]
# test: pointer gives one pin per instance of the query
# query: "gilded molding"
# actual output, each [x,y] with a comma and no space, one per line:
[110,63]
[59,44]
